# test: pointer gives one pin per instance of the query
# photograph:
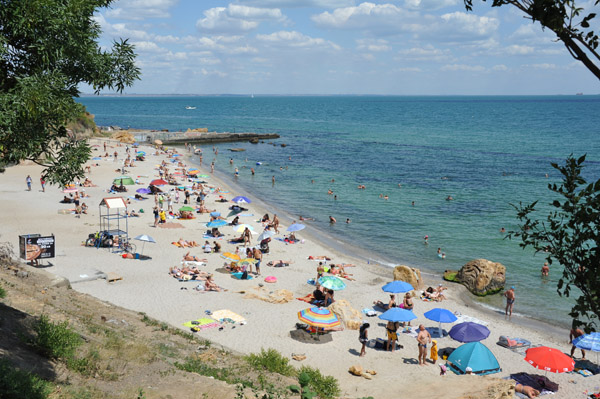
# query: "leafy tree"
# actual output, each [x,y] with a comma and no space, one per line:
[48,48]
[570,235]
[570,23]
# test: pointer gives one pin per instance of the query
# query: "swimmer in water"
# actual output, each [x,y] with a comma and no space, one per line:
[413,203]
[332,220]
[502,230]
[449,198]
[385,197]
[347,220]
[426,239]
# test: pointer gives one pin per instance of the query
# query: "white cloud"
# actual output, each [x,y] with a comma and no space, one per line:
[148,47]
[372,45]
[296,39]
[237,18]
[430,4]
[500,67]
[407,69]
[377,17]
[463,67]
[427,53]
[299,3]
[460,25]
[140,9]
[517,49]
[540,66]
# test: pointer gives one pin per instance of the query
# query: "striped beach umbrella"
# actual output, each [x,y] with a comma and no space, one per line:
[230,256]
[241,227]
[332,283]
[319,317]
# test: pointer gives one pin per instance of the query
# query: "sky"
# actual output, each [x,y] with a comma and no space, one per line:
[337,47]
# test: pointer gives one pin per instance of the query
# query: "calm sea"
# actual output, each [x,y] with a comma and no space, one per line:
[485,152]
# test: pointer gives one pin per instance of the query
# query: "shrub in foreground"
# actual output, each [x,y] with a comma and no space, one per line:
[326,387]
[17,384]
[55,340]
[272,361]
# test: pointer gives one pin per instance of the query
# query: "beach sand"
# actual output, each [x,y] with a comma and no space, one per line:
[147,287]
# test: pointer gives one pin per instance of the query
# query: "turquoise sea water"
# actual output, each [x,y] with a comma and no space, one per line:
[485,152]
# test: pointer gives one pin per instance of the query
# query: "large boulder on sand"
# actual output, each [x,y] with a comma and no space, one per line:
[349,316]
[410,275]
[482,277]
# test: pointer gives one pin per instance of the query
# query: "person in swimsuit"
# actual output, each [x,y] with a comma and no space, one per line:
[510,300]
[576,332]
[408,303]
[423,338]
[363,337]
[392,336]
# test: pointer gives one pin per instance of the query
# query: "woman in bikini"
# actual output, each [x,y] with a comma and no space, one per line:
[408,303]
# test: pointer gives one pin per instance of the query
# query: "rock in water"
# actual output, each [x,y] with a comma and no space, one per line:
[410,275]
[482,277]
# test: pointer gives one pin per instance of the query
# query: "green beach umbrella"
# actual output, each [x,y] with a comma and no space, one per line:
[332,283]
[186,209]
[124,180]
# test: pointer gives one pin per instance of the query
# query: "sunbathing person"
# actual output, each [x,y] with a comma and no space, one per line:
[279,263]
[210,285]
[323,257]
[235,221]
[139,197]
[291,239]
[433,294]
[265,219]
[340,271]
[389,305]
[192,258]
[526,390]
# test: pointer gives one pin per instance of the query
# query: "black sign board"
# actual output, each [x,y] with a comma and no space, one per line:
[36,246]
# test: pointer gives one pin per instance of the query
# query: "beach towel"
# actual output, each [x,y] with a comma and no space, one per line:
[202,323]
[207,237]
[239,275]
[193,217]
[539,382]
[247,215]
[461,318]
[192,263]
[308,298]
[227,314]
[513,343]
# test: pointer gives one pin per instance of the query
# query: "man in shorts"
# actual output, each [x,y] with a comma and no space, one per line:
[423,338]
[510,300]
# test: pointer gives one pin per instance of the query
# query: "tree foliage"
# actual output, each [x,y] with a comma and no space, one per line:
[47,49]
[570,235]
[570,23]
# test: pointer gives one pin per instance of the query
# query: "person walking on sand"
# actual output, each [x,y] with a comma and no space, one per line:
[43,183]
[423,338]
[576,332]
[363,337]
[510,301]
[258,256]
[28,181]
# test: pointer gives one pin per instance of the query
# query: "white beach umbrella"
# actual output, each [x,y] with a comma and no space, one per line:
[144,238]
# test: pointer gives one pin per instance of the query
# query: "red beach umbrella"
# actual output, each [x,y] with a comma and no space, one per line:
[158,182]
[549,359]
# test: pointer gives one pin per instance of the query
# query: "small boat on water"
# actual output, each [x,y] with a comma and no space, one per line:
[189,107]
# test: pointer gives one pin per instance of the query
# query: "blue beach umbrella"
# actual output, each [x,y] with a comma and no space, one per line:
[143,191]
[215,214]
[241,200]
[296,227]
[590,342]
[397,286]
[398,314]
[176,155]
[475,355]
[441,316]
[96,159]
[469,332]
[216,223]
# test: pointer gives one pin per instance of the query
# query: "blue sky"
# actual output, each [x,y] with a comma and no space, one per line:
[404,47]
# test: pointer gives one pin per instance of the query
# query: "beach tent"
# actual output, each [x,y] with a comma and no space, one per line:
[475,355]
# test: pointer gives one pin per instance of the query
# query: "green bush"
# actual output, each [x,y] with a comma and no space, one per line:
[326,387]
[272,361]
[16,384]
[56,341]
[87,366]
[197,366]
[2,293]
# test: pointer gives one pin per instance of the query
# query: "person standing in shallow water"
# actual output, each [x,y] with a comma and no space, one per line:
[510,301]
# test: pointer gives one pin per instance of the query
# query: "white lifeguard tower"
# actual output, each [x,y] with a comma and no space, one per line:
[113,218]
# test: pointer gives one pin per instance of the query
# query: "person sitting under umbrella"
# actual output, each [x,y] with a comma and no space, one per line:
[235,221]
[340,271]
[291,239]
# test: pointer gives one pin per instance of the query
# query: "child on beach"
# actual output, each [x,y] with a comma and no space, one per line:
[363,337]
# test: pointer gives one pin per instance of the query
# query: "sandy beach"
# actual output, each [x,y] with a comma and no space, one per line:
[147,287]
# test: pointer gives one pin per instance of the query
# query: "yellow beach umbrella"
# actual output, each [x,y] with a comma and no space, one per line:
[246,261]
[230,257]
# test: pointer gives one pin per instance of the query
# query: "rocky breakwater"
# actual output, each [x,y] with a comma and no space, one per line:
[480,276]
